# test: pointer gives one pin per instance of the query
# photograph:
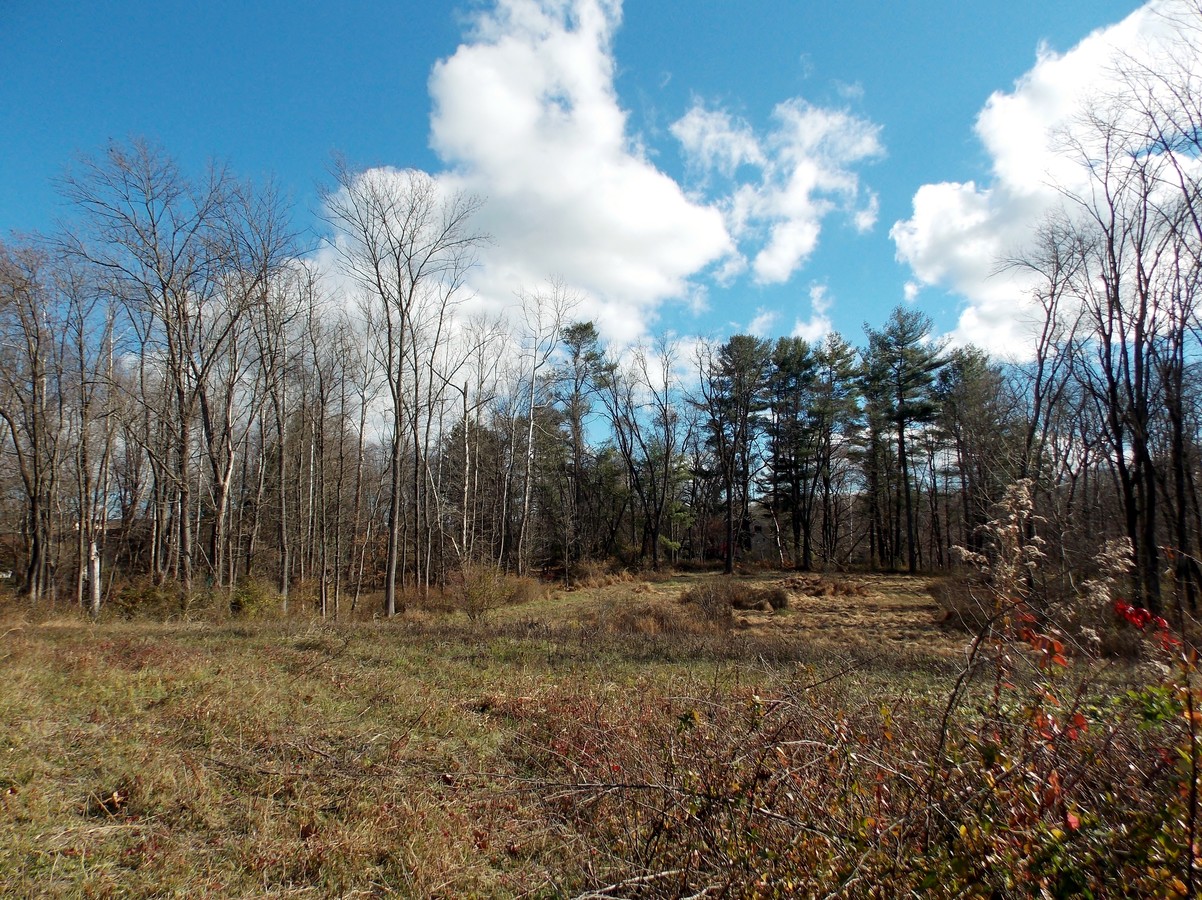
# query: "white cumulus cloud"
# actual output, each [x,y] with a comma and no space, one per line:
[959,232]
[525,114]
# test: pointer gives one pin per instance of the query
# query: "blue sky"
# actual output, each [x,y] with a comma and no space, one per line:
[689,165]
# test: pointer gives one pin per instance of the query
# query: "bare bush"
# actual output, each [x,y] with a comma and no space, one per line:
[142,598]
[963,599]
[481,588]
[712,600]
[1034,774]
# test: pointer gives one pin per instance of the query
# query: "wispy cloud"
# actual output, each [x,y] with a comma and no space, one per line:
[787,181]
[761,325]
[819,324]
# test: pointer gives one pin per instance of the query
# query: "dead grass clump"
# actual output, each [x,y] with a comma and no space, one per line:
[658,619]
[804,584]
[718,598]
[817,586]
[523,590]
[844,588]
[963,600]
[713,600]
[624,617]
[776,597]
[590,573]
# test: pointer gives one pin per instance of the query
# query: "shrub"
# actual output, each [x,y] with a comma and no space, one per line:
[522,590]
[627,616]
[141,598]
[963,598]
[1012,569]
[10,603]
[1038,774]
[480,587]
[254,598]
[713,600]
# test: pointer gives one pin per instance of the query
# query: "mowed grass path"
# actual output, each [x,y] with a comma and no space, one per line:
[301,759]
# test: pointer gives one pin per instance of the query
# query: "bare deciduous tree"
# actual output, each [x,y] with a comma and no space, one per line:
[408,245]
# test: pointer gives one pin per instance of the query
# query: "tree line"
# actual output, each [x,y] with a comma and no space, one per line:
[187,401]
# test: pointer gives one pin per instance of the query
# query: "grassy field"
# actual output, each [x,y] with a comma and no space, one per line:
[602,742]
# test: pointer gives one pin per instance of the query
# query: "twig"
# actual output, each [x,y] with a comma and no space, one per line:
[607,893]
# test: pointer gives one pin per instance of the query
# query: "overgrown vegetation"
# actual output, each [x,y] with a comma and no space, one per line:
[478,589]
[625,741]
[717,599]
[257,644]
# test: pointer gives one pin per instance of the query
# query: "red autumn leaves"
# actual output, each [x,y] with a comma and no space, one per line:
[1142,618]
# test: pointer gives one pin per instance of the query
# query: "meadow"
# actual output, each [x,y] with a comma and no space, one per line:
[684,735]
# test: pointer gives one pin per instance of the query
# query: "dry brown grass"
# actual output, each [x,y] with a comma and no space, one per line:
[256,757]
[874,614]
[635,617]
[145,760]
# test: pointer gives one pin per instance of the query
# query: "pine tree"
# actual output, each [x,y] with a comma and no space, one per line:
[732,395]
[900,367]
[793,442]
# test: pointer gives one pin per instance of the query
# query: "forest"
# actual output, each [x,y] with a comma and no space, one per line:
[191,402]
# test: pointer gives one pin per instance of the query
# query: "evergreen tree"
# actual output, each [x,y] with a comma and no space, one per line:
[835,417]
[577,382]
[793,442]
[733,387]
[976,421]
[900,368]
